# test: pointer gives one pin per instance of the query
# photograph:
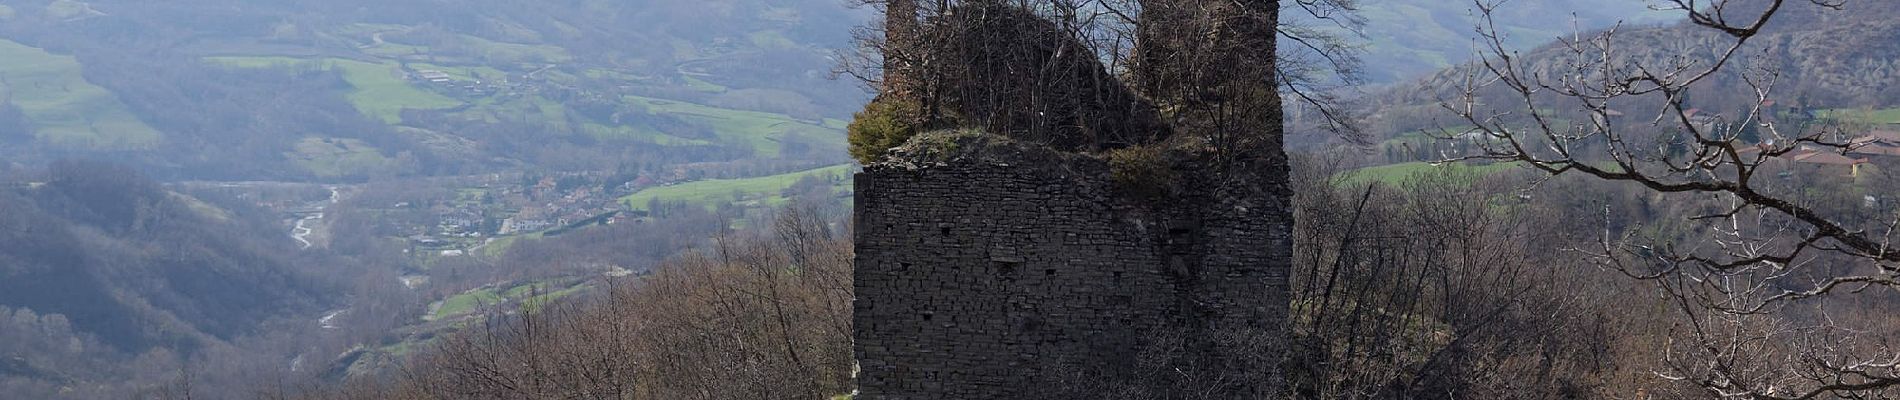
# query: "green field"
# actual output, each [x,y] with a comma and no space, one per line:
[366,29]
[555,113]
[760,129]
[458,48]
[1435,133]
[330,158]
[533,304]
[501,244]
[467,301]
[1887,116]
[378,88]
[1399,173]
[536,108]
[464,73]
[201,207]
[603,131]
[711,193]
[399,51]
[498,52]
[65,109]
[531,296]
[703,86]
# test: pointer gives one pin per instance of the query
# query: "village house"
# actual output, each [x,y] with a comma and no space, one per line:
[1827,159]
[1878,143]
[434,76]
[1859,153]
[1702,118]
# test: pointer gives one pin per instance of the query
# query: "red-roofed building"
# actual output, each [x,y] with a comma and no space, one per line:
[1876,143]
[1826,158]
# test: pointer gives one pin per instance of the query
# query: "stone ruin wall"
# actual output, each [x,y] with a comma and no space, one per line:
[977,279]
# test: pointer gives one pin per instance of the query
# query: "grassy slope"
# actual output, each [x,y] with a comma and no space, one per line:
[337,157]
[761,129]
[379,89]
[516,52]
[381,92]
[467,301]
[465,73]
[713,192]
[542,293]
[1398,173]
[64,108]
[1886,116]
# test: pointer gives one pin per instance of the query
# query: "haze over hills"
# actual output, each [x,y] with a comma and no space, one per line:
[1821,61]
[350,89]
[141,266]
[1407,38]
[347,90]
[114,279]
[106,276]
[307,192]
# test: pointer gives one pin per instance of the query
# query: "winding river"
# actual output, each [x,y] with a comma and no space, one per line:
[301,231]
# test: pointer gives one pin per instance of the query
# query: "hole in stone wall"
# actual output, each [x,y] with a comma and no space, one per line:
[1006,271]
[944,230]
[1030,325]
[1049,272]
[1118,277]
[928,314]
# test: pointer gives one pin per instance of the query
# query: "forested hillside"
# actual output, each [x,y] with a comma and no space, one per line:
[99,264]
[1818,65]
[117,254]
[383,199]
[348,90]
[1407,38]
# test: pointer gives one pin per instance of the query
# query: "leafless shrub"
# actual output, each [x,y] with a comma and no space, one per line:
[752,317]
[1742,273]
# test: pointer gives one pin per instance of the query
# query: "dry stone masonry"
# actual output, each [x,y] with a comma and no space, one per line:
[989,269]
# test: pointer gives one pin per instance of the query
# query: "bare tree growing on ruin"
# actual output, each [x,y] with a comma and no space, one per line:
[1766,255]
[1112,73]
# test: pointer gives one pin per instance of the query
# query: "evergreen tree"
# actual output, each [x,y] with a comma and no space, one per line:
[1750,131]
[14,127]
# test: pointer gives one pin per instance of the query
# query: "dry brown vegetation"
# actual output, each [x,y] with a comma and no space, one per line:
[751,317]
[1451,285]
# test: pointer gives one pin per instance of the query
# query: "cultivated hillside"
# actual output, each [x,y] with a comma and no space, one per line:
[352,89]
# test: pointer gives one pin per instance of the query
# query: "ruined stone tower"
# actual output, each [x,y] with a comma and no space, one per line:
[990,267]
